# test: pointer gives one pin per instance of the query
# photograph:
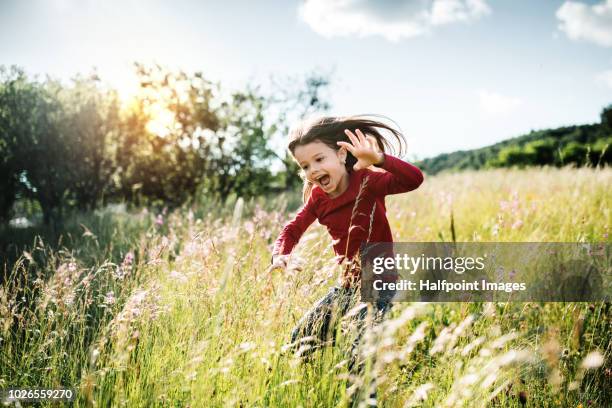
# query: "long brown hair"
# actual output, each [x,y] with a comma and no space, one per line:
[330,130]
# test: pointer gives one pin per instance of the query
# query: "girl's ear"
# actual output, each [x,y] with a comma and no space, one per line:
[342,154]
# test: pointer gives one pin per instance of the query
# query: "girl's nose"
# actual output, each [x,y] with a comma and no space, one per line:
[313,168]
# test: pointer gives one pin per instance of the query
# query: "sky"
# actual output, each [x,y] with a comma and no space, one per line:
[453,74]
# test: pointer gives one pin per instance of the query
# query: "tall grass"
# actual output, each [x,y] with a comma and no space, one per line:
[176,309]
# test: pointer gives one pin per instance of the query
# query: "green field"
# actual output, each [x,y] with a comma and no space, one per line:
[140,308]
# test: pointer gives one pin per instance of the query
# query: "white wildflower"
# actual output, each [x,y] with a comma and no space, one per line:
[593,360]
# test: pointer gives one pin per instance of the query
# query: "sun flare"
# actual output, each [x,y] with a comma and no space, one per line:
[161,121]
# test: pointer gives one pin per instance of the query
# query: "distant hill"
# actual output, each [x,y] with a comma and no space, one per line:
[580,144]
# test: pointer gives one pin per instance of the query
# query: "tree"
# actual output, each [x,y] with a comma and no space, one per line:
[54,139]
[514,155]
[606,118]
[32,142]
[163,153]
[90,126]
[541,152]
[12,101]
[574,152]
[184,136]
[241,156]
[72,147]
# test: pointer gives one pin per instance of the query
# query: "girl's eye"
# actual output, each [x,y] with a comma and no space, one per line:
[305,168]
[320,159]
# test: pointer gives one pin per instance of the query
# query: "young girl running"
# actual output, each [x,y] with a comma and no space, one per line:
[343,192]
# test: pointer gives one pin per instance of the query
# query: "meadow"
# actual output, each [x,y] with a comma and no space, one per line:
[176,308]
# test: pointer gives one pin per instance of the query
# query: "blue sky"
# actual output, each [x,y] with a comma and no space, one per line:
[454,74]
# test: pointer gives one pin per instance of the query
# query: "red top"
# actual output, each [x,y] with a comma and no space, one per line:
[338,213]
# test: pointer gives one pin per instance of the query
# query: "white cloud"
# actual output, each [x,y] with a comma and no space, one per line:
[391,19]
[580,21]
[450,11]
[497,104]
[605,78]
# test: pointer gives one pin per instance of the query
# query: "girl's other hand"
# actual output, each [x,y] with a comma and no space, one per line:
[365,149]
[279,262]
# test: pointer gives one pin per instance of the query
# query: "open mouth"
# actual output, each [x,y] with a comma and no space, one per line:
[324,180]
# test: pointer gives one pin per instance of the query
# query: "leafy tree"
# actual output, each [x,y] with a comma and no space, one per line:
[54,142]
[73,146]
[11,102]
[31,139]
[163,151]
[90,124]
[606,118]
[602,151]
[541,152]
[574,152]
[242,156]
[210,142]
[215,144]
[515,156]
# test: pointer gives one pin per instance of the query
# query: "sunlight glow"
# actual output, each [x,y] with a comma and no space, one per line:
[162,120]
[126,84]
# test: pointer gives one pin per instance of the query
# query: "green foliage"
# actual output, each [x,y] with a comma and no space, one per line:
[244,157]
[546,152]
[538,152]
[574,152]
[163,152]
[55,142]
[76,147]
[541,151]
[90,125]
[606,118]
[514,155]
[36,152]
[578,145]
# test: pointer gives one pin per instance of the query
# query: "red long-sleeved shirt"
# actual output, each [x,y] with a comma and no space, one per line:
[338,213]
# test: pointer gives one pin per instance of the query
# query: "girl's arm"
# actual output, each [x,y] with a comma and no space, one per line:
[291,233]
[400,177]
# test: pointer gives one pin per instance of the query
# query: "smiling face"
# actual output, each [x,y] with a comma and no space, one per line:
[323,166]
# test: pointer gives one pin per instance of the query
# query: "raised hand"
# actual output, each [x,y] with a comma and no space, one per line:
[364,148]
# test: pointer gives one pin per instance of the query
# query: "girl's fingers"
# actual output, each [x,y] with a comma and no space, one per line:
[370,142]
[278,262]
[348,146]
[277,265]
[361,136]
[373,143]
[353,138]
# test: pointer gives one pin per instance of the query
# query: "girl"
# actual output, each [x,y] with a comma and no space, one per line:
[344,192]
